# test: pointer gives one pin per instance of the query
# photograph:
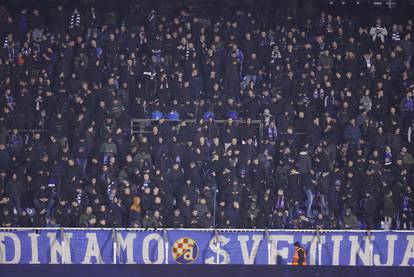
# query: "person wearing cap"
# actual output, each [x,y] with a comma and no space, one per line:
[299,257]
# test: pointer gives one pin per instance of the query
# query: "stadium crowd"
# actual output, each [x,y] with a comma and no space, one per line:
[335,98]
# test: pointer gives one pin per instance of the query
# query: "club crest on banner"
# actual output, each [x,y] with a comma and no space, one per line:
[185,251]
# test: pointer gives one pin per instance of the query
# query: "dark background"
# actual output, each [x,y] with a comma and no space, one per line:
[201,271]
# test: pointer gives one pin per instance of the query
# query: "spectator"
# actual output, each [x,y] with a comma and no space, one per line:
[176,220]
[108,150]
[370,210]
[14,189]
[135,212]
[352,132]
[388,211]
[87,219]
[350,220]
[378,32]
[43,201]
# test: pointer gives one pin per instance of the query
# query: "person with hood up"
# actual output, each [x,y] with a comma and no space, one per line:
[350,220]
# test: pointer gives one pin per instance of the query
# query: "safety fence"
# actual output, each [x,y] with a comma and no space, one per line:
[141,126]
[203,246]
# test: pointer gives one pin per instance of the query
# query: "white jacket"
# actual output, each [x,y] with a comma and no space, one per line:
[377,31]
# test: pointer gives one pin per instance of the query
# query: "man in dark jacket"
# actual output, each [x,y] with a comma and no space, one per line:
[388,211]
[370,206]
[43,200]
[14,189]
[176,220]
[233,217]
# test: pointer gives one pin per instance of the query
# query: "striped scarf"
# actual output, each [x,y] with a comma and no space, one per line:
[396,36]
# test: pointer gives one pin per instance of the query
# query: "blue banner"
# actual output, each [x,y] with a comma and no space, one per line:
[70,246]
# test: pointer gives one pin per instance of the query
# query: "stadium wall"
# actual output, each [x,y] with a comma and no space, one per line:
[201,271]
[189,246]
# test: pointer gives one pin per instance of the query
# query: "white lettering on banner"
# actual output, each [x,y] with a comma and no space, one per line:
[56,248]
[356,250]
[336,248]
[390,253]
[92,250]
[17,248]
[160,246]
[218,250]
[353,248]
[409,250]
[276,253]
[243,239]
[312,251]
[127,245]
[34,244]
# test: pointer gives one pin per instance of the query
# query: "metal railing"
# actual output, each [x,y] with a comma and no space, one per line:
[139,126]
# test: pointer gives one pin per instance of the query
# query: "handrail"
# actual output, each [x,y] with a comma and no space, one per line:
[138,123]
[30,130]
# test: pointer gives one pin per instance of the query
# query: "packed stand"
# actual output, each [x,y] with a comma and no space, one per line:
[334,99]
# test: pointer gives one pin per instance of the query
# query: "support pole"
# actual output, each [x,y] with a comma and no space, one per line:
[318,234]
[371,248]
[269,246]
[218,246]
[215,207]
[114,246]
[166,246]
[62,239]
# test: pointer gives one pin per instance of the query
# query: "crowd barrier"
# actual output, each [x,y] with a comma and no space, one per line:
[192,246]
